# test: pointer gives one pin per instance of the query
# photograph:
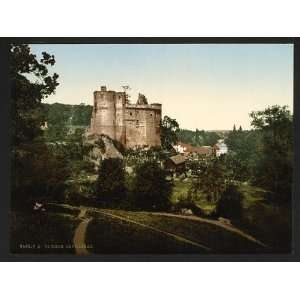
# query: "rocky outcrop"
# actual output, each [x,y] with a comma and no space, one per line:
[101,147]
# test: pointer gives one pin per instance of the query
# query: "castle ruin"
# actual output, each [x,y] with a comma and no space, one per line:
[130,124]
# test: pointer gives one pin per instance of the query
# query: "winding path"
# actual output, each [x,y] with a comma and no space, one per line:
[80,232]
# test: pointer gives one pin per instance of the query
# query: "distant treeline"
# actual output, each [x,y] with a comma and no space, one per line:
[198,137]
[59,114]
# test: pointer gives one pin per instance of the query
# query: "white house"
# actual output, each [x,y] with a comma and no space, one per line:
[221,148]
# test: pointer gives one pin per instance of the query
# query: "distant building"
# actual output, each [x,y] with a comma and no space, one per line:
[44,126]
[187,149]
[220,148]
[175,164]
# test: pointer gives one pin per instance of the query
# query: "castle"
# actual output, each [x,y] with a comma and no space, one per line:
[130,124]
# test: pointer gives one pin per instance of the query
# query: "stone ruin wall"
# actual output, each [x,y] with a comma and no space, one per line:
[131,124]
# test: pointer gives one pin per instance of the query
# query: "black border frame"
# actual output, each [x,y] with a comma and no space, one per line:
[5,143]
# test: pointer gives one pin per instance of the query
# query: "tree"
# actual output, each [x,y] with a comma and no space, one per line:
[230,204]
[151,189]
[210,178]
[169,130]
[274,167]
[110,185]
[242,155]
[35,172]
[27,95]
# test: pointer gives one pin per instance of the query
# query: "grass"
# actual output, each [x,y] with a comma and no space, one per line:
[52,232]
[114,236]
[181,188]
[43,233]
[269,222]
[213,236]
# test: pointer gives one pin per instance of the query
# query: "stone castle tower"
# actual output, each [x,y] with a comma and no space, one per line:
[130,124]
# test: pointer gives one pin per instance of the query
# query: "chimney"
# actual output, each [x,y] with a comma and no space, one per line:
[103,88]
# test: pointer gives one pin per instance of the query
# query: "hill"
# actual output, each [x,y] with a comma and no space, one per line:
[109,231]
[59,114]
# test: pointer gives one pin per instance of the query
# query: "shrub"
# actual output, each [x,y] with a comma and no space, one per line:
[187,201]
[151,190]
[230,203]
[110,185]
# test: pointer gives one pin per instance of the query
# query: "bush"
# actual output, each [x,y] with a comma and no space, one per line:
[187,201]
[230,203]
[38,175]
[110,185]
[151,190]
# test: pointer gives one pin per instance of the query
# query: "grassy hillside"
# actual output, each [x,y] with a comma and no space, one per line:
[126,232]
[269,222]
[128,236]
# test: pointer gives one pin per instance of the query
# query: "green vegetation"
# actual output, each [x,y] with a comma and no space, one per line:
[151,190]
[169,131]
[206,233]
[113,236]
[251,185]
[110,185]
[36,172]
[198,137]
[230,204]
[59,115]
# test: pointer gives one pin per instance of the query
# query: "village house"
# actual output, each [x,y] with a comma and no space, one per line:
[175,164]
[220,148]
[189,150]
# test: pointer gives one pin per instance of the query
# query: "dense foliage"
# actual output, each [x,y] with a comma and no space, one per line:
[110,185]
[210,176]
[198,137]
[36,172]
[274,169]
[169,130]
[59,114]
[151,189]
[230,203]
[264,156]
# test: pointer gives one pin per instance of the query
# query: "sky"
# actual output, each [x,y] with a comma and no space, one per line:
[204,86]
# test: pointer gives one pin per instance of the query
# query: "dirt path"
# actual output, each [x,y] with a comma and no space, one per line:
[175,236]
[80,232]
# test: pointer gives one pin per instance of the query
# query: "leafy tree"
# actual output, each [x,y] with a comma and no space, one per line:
[275,163]
[27,94]
[110,185]
[242,155]
[169,129]
[210,178]
[198,137]
[230,203]
[40,176]
[36,173]
[151,189]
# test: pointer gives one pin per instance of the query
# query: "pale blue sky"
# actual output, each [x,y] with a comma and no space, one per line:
[204,86]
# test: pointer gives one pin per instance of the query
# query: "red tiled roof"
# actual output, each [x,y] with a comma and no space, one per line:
[199,150]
